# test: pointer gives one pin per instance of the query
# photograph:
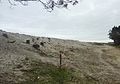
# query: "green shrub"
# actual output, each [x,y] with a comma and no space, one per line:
[5,35]
[114,34]
[36,46]
[41,73]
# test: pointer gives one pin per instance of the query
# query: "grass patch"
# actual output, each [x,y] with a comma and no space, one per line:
[117,46]
[114,45]
[41,73]
[100,44]
[45,73]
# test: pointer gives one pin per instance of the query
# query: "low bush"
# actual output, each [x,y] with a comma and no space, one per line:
[42,43]
[36,46]
[12,41]
[5,35]
[28,41]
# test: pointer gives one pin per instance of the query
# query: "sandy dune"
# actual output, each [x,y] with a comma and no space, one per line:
[97,61]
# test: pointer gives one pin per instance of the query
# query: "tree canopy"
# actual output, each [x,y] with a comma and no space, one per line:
[114,34]
[48,4]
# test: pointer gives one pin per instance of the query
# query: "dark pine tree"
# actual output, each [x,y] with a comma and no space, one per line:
[114,34]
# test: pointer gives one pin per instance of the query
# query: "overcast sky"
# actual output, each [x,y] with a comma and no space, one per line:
[90,20]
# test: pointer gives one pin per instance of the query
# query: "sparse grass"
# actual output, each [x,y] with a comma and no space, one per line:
[44,73]
[100,44]
[41,73]
[117,46]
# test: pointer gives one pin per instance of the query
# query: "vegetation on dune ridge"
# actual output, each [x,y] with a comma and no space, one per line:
[32,60]
[45,73]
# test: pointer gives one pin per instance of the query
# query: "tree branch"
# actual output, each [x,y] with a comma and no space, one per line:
[11,3]
[50,5]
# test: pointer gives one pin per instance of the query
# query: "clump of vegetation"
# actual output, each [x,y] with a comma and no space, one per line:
[33,39]
[42,43]
[19,66]
[36,46]
[5,35]
[99,43]
[44,73]
[28,41]
[114,34]
[37,38]
[12,41]
[49,39]
[26,58]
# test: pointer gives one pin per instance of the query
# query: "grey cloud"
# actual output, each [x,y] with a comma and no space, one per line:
[90,20]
